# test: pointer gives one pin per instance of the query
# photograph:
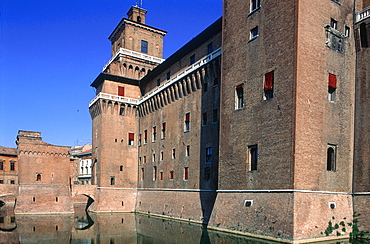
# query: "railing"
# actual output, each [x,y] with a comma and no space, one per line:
[163,86]
[123,51]
[114,98]
[363,14]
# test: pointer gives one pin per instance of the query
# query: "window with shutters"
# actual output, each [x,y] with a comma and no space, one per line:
[131,138]
[163,132]
[145,136]
[154,136]
[332,87]
[268,85]
[187,122]
[121,91]
[186,173]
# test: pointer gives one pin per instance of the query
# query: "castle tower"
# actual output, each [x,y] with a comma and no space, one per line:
[361,186]
[288,79]
[136,49]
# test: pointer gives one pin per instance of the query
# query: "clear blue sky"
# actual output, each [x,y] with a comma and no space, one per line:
[51,51]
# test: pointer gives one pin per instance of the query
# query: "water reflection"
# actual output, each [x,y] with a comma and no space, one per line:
[88,228]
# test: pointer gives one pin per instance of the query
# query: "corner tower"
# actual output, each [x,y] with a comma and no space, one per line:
[136,49]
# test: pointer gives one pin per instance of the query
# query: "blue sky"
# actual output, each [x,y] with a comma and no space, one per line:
[51,51]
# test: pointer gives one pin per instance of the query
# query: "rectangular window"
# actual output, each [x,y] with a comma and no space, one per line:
[1,165]
[333,23]
[187,122]
[142,173]
[144,159]
[131,138]
[173,153]
[121,91]
[144,46]
[331,157]
[139,140]
[171,175]
[162,155]
[209,155]
[363,35]
[239,93]
[210,48]
[268,85]
[192,59]
[215,116]
[332,87]
[163,130]
[1,181]
[347,31]
[12,182]
[204,119]
[158,81]
[253,157]
[253,33]
[186,173]
[145,136]
[168,75]
[161,175]
[154,173]
[139,160]
[255,4]
[12,166]
[154,134]
[112,180]
[187,150]
[153,157]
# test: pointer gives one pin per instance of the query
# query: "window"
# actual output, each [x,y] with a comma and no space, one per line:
[268,86]
[204,119]
[12,182]
[255,4]
[186,173]
[112,180]
[173,153]
[187,151]
[331,157]
[171,175]
[38,177]
[144,46]
[121,168]
[139,160]
[163,130]
[253,33]
[1,165]
[336,1]
[139,140]
[168,75]
[144,158]
[192,59]
[332,87]
[363,35]
[207,173]
[210,48]
[142,173]
[333,23]
[138,19]
[347,31]
[253,157]
[161,175]
[1,181]
[209,155]
[154,173]
[121,91]
[239,96]
[187,122]
[162,155]
[122,110]
[131,137]
[215,116]
[145,136]
[158,82]
[153,157]
[154,134]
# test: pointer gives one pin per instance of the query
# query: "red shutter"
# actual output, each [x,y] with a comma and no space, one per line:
[332,81]
[239,86]
[121,91]
[154,130]
[187,117]
[131,136]
[269,81]
[145,134]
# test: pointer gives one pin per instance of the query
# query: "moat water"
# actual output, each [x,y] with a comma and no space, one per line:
[89,228]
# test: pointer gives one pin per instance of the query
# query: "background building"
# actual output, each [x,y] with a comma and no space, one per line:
[8,165]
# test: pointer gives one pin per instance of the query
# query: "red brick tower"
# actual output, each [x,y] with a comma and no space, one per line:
[136,49]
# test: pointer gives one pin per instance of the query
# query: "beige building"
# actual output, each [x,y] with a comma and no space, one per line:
[8,165]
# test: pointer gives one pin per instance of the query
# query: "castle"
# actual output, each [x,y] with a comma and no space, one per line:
[260,124]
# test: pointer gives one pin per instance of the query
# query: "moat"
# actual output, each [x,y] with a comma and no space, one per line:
[86,228]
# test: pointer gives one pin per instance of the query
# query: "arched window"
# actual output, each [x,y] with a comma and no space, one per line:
[331,161]
[138,19]
[38,177]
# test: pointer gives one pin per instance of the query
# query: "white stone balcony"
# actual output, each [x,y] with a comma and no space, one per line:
[114,98]
[363,14]
[123,51]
